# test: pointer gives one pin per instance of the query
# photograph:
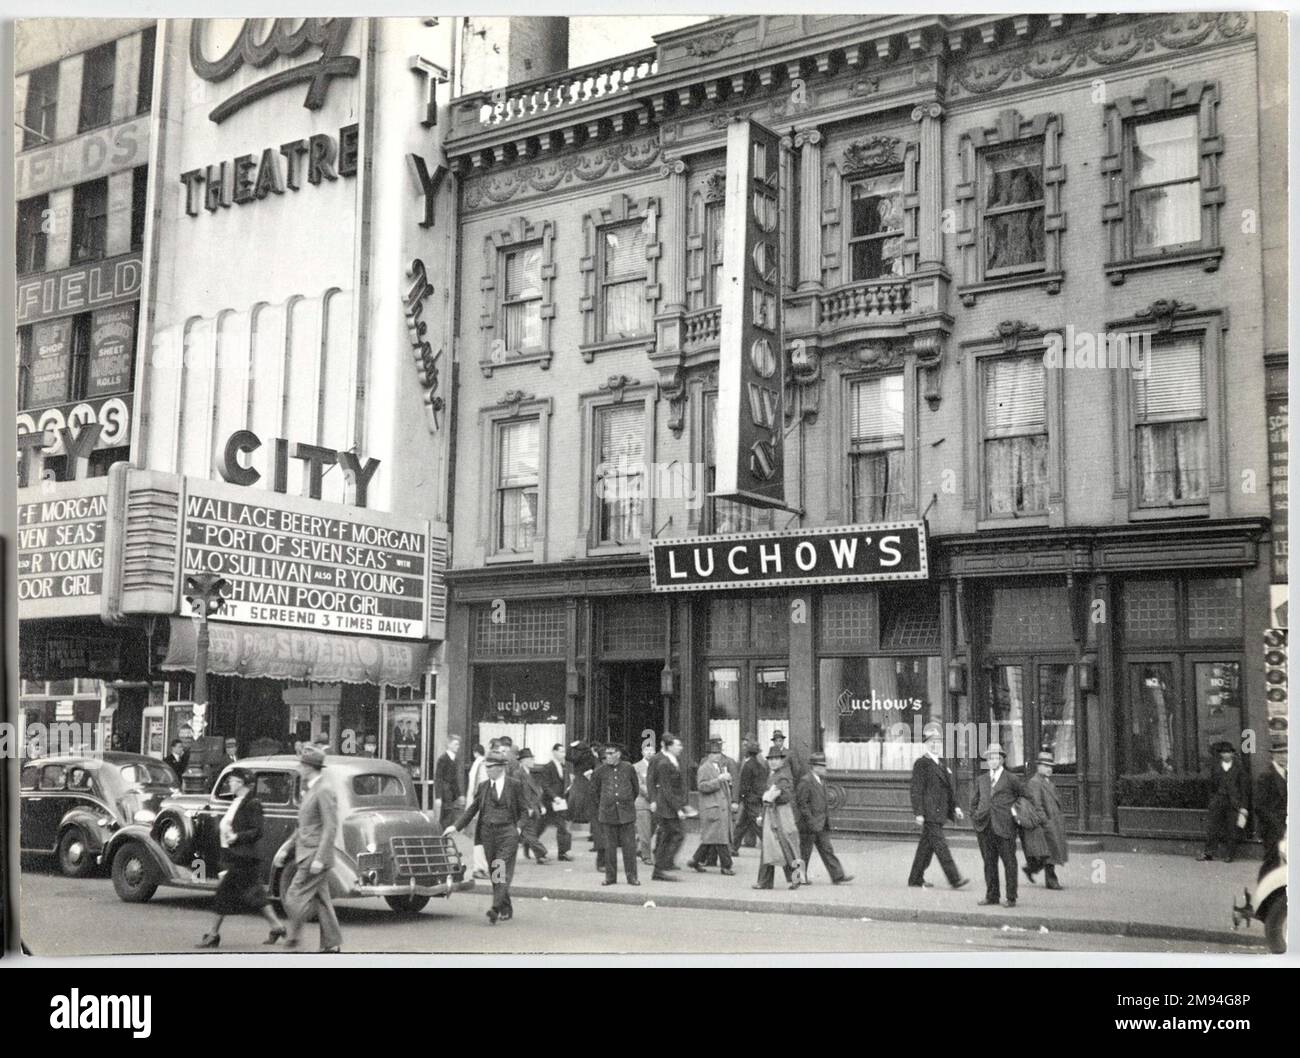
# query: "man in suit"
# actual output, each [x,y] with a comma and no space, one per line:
[1229,801]
[668,805]
[934,803]
[749,792]
[533,797]
[446,782]
[500,806]
[178,757]
[318,823]
[556,778]
[812,814]
[993,814]
[1270,805]
[614,789]
[644,820]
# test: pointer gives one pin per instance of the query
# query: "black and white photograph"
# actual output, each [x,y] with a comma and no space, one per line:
[624,483]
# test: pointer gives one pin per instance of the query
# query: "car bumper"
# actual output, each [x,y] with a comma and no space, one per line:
[411,889]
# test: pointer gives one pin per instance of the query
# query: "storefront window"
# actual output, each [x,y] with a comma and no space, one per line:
[524,702]
[1218,706]
[1153,719]
[1056,714]
[724,709]
[872,710]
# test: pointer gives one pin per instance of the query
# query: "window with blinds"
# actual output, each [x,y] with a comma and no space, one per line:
[98,73]
[1171,429]
[725,516]
[42,106]
[620,472]
[624,311]
[1014,411]
[517,479]
[876,448]
[521,304]
[1164,177]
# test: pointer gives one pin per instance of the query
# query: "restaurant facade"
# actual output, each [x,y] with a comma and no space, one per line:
[1015,468]
[291,380]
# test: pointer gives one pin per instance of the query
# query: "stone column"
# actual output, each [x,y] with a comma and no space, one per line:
[809,143]
[673,263]
[930,183]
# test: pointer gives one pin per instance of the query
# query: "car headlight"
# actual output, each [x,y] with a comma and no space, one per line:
[372,847]
[144,815]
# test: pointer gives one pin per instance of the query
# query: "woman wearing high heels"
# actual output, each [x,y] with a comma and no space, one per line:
[241,886]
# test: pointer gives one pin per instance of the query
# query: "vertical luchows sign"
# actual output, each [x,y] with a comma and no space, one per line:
[751,368]
[840,555]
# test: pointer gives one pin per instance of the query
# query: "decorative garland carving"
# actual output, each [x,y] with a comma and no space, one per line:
[498,188]
[875,152]
[715,186]
[710,43]
[1162,312]
[1105,47]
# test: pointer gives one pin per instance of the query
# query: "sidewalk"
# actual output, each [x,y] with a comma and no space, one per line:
[1151,895]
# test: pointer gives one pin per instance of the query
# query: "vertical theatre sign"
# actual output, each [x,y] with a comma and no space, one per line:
[751,368]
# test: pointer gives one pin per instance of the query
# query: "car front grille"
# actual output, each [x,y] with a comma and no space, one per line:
[424,856]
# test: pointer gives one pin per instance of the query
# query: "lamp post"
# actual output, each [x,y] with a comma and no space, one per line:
[205,592]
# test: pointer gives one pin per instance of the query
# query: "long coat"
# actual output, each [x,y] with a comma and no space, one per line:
[1046,842]
[714,784]
[780,827]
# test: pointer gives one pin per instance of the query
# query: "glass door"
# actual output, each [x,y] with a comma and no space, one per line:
[1154,737]
[748,697]
[1032,705]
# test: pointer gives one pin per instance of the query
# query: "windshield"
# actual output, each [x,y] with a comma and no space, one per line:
[148,773]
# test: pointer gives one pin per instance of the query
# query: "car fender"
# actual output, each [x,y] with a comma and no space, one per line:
[139,833]
[1273,883]
[88,823]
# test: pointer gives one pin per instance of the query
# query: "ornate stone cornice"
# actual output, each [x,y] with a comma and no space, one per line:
[1163,311]
[501,186]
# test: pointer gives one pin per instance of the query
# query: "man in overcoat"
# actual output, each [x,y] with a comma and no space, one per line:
[614,789]
[753,781]
[667,787]
[1044,843]
[780,828]
[1229,804]
[713,781]
[1270,805]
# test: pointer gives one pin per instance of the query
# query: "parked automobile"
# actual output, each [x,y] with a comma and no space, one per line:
[73,804]
[385,845]
[1266,904]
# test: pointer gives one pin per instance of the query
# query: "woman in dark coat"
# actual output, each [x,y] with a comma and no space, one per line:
[241,886]
[1045,844]
[584,762]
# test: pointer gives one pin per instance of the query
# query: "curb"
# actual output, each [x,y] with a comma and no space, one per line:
[1029,923]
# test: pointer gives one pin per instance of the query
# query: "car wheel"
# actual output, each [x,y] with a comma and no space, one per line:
[1275,925]
[76,859]
[135,875]
[407,905]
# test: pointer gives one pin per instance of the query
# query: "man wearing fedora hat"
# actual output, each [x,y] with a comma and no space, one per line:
[934,803]
[713,781]
[1270,804]
[780,827]
[1225,821]
[313,844]
[749,792]
[993,814]
[1045,844]
[814,820]
[501,806]
[667,789]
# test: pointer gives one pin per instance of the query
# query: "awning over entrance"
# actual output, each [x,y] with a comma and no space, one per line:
[293,654]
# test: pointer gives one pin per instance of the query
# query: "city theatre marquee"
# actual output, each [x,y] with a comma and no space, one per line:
[840,555]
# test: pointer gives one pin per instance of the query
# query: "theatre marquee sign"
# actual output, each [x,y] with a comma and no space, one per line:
[839,555]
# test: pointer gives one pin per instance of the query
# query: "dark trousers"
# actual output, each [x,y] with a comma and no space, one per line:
[448,814]
[933,843]
[767,875]
[707,855]
[620,836]
[501,847]
[747,828]
[821,840]
[994,848]
[1034,864]
[1221,830]
[669,837]
[563,839]
[598,841]
[528,830]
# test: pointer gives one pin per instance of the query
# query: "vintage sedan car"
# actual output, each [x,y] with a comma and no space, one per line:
[385,845]
[1266,904]
[72,805]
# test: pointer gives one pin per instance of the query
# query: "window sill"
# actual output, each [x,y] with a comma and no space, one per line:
[601,550]
[1164,514]
[1029,521]
[1207,258]
[509,560]
[589,352]
[1051,280]
[542,359]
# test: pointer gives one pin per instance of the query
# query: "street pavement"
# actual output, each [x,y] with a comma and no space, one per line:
[1154,896]
[66,916]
